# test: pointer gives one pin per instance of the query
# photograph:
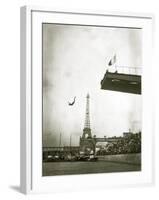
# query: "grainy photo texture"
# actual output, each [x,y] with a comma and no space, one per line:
[92,105]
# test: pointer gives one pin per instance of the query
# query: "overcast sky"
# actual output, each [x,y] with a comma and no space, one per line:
[75,59]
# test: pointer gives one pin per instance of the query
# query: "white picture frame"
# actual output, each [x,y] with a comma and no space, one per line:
[31,101]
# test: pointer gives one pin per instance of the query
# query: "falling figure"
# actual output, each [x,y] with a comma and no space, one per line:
[71,104]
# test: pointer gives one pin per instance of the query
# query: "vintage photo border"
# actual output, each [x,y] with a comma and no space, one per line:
[31,182]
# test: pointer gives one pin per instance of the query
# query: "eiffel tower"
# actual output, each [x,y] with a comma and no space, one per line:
[87,129]
[87,143]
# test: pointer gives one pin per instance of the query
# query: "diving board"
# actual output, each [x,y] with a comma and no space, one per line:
[121,82]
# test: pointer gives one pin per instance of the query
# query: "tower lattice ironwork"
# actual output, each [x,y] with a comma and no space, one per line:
[87,129]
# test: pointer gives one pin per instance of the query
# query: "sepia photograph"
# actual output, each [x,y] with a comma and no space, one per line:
[91,99]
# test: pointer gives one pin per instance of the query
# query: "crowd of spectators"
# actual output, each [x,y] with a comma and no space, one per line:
[123,145]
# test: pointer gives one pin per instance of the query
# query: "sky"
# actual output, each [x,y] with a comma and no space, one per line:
[75,59]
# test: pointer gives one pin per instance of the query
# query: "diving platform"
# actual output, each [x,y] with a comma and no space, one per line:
[128,83]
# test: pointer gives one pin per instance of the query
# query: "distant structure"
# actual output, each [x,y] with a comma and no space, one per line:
[87,143]
[87,129]
[127,134]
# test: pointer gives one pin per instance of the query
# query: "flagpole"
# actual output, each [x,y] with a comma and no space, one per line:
[115,63]
[112,62]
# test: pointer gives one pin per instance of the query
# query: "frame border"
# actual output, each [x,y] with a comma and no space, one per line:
[26,185]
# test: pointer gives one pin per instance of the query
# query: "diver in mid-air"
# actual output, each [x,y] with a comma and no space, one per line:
[71,104]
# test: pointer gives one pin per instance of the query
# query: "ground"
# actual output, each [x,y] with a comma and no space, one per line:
[67,168]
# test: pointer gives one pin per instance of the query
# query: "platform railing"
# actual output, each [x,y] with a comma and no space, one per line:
[126,70]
